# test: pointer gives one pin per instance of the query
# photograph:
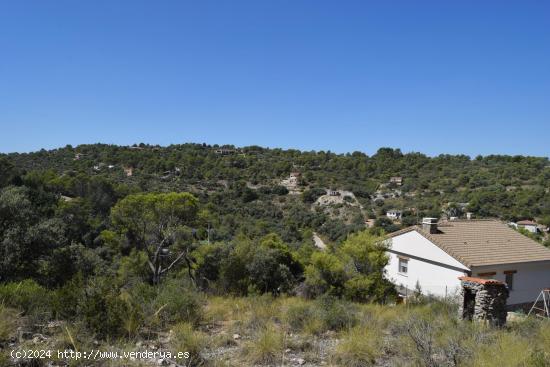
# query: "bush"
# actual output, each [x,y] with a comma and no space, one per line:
[311,195]
[101,308]
[177,302]
[299,315]
[336,314]
[65,299]
[268,273]
[28,296]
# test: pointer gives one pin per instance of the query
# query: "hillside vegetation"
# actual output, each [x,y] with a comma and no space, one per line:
[211,250]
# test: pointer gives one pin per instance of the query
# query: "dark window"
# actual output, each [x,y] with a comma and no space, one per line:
[510,280]
[403,265]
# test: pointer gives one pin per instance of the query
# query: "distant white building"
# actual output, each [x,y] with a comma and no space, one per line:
[435,255]
[397,180]
[528,225]
[394,214]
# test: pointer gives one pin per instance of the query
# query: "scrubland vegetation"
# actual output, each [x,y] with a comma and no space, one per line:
[209,254]
[268,330]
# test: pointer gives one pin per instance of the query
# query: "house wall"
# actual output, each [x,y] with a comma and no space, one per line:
[532,229]
[529,279]
[435,270]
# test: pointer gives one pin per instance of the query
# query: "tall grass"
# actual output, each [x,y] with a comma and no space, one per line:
[359,346]
[266,346]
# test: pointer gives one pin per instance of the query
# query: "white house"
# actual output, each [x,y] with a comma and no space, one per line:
[528,225]
[435,254]
[394,214]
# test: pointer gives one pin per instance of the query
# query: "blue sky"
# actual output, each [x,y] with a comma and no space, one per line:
[437,77]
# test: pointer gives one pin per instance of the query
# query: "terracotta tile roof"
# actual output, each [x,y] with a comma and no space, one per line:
[483,242]
[480,280]
[526,223]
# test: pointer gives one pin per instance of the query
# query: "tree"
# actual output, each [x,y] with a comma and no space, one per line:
[355,270]
[27,240]
[160,225]
[325,274]
[9,175]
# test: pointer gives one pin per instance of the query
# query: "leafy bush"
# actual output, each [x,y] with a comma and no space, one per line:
[177,302]
[311,195]
[101,308]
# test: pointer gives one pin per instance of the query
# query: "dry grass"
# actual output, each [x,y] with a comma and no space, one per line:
[506,350]
[185,339]
[359,347]
[266,346]
[323,331]
[9,320]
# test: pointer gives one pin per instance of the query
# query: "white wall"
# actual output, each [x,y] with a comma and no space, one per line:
[530,228]
[529,280]
[437,274]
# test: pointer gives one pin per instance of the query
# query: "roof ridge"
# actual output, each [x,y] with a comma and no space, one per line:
[471,220]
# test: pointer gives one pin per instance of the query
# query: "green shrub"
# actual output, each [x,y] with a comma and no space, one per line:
[65,299]
[299,315]
[336,314]
[177,302]
[101,308]
[28,296]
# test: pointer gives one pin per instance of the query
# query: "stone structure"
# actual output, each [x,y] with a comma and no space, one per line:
[483,300]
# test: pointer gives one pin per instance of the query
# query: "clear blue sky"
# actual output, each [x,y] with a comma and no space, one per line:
[467,77]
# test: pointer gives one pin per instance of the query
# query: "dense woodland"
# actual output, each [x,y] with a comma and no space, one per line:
[122,242]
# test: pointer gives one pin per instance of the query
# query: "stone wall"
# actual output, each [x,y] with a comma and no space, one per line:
[483,300]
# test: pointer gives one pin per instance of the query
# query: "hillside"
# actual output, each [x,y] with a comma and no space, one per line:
[259,256]
[255,182]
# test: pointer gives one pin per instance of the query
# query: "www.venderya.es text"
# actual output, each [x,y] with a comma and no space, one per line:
[94,354]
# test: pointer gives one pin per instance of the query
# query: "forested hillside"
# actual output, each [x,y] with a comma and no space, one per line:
[123,243]
[247,181]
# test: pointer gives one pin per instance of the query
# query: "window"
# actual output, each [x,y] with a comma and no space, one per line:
[403,265]
[509,278]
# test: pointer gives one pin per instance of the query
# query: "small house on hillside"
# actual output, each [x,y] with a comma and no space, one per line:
[128,171]
[394,214]
[528,225]
[225,151]
[294,178]
[434,255]
[397,180]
